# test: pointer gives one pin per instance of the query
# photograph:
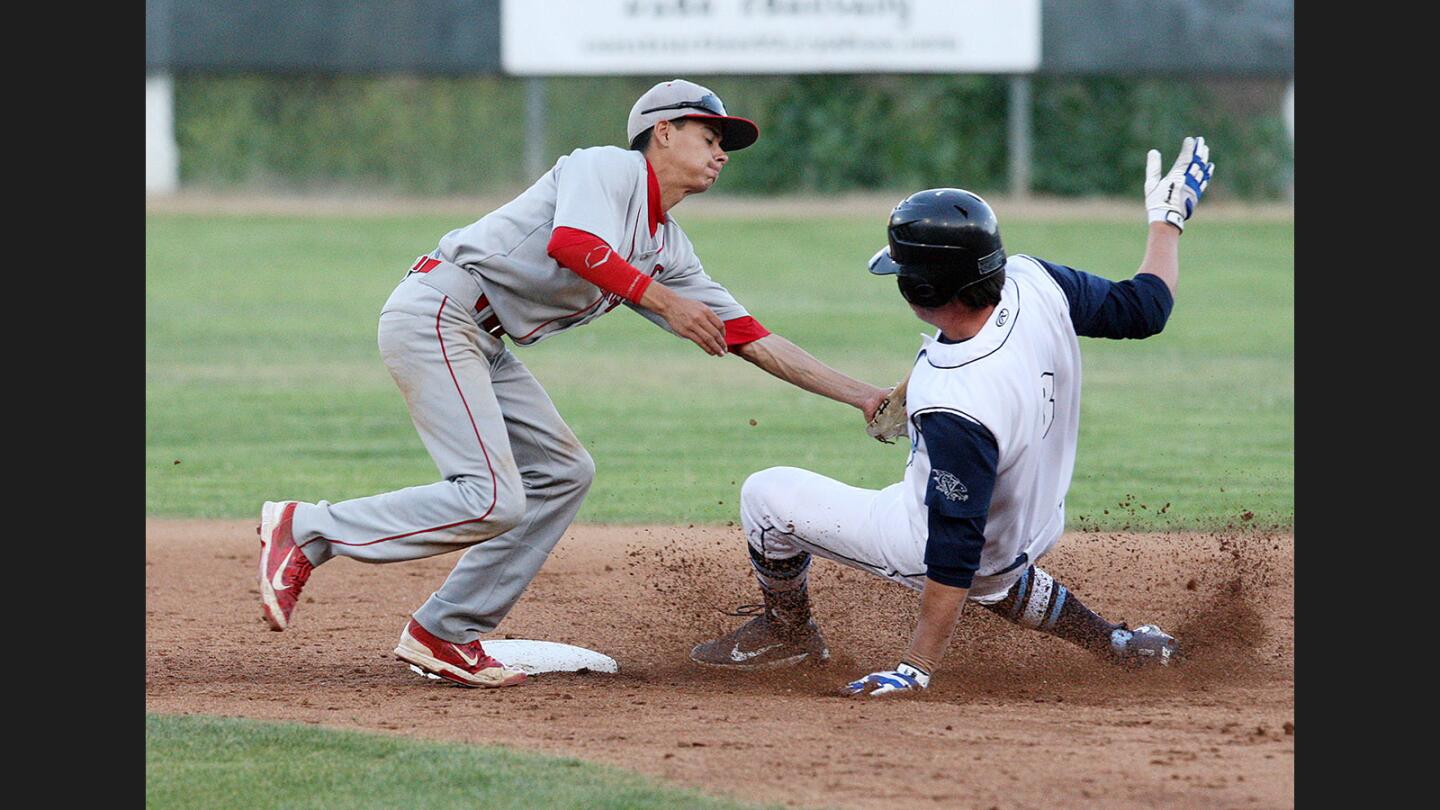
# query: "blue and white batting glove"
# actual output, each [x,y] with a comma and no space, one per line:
[904,678]
[1173,198]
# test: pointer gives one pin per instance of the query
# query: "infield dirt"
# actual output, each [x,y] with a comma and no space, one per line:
[1014,719]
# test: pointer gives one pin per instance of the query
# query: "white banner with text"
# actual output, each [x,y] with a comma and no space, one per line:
[664,37]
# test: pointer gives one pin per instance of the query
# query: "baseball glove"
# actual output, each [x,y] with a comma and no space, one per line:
[889,421]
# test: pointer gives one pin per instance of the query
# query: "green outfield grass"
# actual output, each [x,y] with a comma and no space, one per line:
[263,380]
[217,762]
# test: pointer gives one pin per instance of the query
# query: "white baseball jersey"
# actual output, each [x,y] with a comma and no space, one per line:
[1019,377]
[602,190]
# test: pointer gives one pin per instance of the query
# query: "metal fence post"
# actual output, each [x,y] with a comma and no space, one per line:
[534,128]
[1019,135]
[1289,112]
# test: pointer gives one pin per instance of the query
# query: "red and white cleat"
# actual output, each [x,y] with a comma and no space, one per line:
[465,664]
[283,568]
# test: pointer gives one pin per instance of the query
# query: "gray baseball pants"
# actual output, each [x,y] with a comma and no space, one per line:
[513,472]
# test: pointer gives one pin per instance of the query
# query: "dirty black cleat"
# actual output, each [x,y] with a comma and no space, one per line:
[763,643]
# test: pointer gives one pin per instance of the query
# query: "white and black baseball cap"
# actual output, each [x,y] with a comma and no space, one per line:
[678,98]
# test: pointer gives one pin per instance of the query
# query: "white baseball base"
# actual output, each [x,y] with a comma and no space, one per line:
[534,657]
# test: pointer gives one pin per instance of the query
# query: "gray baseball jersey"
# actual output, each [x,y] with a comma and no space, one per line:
[602,190]
[513,475]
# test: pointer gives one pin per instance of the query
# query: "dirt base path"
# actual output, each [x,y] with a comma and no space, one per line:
[1014,719]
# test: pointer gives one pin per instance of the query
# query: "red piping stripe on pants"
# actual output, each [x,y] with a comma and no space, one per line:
[494,489]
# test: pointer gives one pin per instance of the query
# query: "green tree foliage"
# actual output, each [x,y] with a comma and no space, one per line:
[819,132]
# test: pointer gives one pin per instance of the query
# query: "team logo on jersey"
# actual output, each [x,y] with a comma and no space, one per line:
[950,486]
[1002,317]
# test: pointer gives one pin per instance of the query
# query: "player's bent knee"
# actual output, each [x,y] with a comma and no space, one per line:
[496,505]
[568,472]
[509,508]
[582,469]
[505,516]
[761,485]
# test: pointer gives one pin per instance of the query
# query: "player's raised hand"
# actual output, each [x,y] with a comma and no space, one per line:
[1173,198]
[903,678]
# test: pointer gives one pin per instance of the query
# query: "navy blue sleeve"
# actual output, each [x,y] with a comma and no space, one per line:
[1134,308]
[963,461]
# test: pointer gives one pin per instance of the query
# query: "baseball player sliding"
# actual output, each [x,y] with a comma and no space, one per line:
[993,408]
[591,234]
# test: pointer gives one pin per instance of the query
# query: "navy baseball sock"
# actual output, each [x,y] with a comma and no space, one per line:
[1040,602]
[784,583]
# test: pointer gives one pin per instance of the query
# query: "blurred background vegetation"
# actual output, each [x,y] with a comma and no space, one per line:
[438,135]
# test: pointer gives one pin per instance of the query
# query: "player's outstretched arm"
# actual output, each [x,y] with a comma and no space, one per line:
[1170,201]
[687,318]
[1162,255]
[798,367]
[940,607]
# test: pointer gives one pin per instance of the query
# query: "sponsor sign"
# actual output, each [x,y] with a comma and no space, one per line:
[674,37]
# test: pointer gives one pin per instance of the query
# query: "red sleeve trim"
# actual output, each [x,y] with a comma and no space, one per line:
[656,215]
[589,257]
[739,331]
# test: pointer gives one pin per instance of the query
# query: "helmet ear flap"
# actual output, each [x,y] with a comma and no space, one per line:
[926,286]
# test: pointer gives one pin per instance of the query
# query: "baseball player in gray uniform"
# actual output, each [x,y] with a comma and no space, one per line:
[592,234]
[993,414]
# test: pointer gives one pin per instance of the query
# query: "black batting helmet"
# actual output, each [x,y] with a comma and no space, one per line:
[942,240]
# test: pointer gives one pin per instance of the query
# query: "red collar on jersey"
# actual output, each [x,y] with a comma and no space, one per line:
[656,215]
